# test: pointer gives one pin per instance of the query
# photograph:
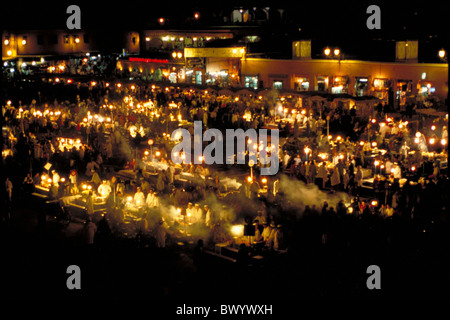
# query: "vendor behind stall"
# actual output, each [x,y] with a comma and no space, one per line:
[104,189]
[139,198]
[152,200]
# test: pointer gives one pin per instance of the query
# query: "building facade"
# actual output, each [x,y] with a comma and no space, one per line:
[390,81]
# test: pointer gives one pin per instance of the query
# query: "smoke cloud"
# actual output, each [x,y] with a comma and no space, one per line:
[298,195]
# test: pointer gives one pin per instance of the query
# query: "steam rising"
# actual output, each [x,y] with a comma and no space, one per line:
[299,194]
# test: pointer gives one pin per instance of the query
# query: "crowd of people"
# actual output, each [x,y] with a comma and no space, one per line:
[324,144]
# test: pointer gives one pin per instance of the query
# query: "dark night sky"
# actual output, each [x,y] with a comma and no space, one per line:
[334,17]
[336,23]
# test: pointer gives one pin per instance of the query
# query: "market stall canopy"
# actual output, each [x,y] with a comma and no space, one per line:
[245,91]
[225,92]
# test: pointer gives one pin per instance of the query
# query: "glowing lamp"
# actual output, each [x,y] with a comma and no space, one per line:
[418,134]
[146,152]
[374,203]
[157,153]
[264,180]
[443,142]
[237,230]
[327,51]
[377,162]
[150,141]
[374,144]
[249,179]
[433,127]
[432,140]
[413,168]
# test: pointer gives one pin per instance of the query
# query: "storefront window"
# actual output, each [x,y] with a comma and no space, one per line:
[198,77]
[278,84]
[340,85]
[322,83]
[361,86]
[220,78]
[381,89]
[301,83]
[173,77]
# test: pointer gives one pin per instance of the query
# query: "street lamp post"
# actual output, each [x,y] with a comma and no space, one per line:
[336,53]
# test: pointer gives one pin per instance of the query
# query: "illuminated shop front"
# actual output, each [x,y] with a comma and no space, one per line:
[322,83]
[251,82]
[278,84]
[214,66]
[153,68]
[380,88]
[340,85]
[301,83]
[403,90]
[361,86]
